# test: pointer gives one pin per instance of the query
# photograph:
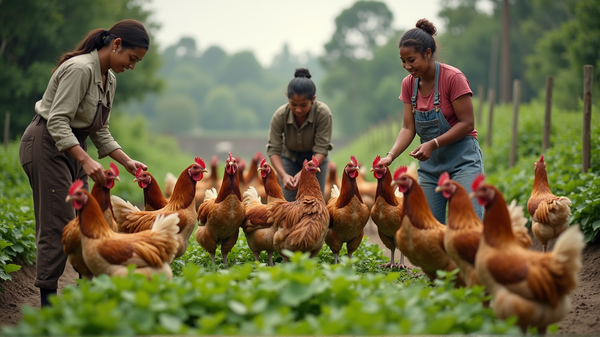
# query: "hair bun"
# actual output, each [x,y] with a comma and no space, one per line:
[302,72]
[426,26]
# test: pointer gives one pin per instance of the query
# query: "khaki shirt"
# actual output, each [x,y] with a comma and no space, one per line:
[71,101]
[287,139]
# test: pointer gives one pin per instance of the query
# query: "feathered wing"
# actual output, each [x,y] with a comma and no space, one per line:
[544,277]
[303,219]
[149,248]
[518,222]
[206,207]
[256,212]
[554,211]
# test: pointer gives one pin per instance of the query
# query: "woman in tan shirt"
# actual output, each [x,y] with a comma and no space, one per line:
[53,150]
[299,129]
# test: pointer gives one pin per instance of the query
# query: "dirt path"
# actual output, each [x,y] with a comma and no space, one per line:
[584,317]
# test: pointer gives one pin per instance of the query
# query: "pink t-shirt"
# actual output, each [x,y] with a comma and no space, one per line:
[452,84]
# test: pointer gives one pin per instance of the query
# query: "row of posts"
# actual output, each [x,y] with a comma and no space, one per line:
[588,71]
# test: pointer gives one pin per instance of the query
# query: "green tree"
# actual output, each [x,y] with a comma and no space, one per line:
[34,33]
[360,29]
[240,67]
[219,110]
[176,114]
[563,52]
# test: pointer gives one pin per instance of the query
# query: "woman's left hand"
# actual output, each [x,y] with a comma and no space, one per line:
[132,166]
[423,151]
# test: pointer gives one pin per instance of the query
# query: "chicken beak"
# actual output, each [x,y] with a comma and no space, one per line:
[394,183]
[371,170]
[204,170]
[318,169]
[135,179]
[472,195]
[117,178]
[68,198]
[438,189]
[259,169]
[356,168]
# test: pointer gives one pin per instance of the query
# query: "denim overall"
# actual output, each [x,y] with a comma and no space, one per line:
[461,159]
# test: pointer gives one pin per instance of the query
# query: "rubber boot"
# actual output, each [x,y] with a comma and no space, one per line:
[44,293]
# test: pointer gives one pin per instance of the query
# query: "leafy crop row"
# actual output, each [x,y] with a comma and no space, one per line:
[303,297]
[17,227]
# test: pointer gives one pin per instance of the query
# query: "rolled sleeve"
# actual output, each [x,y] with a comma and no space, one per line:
[71,90]
[323,130]
[275,144]
[104,142]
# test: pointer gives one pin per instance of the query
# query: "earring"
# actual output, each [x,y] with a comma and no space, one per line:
[114,50]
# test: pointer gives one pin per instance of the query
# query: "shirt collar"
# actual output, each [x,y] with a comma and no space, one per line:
[97,70]
[310,118]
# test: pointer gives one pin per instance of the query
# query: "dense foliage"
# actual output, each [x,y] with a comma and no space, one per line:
[302,297]
[17,234]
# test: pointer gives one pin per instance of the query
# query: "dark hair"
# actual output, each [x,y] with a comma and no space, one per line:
[420,38]
[302,84]
[132,33]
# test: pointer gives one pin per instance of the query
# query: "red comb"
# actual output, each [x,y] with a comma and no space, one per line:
[200,162]
[230,157]
[139,171]
[114,169]
[399,171]
[541,159]
[477,181]
[376,160]
[315,161]
[263,162]
[76,185]
[443,178]
[214,159]
[353,160]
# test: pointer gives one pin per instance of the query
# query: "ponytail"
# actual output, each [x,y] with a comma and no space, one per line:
[132,34]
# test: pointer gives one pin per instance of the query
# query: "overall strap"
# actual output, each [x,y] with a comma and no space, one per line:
[436,96]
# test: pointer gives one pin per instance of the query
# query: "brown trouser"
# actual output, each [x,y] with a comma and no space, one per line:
[51,174]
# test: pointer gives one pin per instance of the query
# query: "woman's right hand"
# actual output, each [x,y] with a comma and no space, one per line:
[94,170]
[387,160]
[289,182]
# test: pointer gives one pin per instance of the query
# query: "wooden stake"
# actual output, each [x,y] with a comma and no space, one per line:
[513,144]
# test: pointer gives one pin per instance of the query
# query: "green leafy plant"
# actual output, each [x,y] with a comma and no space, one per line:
[300,297]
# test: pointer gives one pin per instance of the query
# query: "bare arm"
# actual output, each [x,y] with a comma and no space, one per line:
[130,165]
[405,136]
[92,168]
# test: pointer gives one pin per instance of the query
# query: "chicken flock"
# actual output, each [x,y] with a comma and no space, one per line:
[110,233]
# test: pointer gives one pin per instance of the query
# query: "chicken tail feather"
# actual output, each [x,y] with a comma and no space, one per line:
[335,191]
[122,208]
[210,194]
[251,196]
[567,253]
[518,221]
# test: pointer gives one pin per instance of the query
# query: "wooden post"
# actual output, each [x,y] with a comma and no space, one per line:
[513,144]
[588,72]
[6,128]
[480,93]
[505,72]
[547,117]
[493,63]
[491,98]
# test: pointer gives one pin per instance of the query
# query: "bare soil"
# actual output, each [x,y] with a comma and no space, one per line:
[584,317]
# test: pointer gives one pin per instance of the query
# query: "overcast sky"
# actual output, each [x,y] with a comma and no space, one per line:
[263,26]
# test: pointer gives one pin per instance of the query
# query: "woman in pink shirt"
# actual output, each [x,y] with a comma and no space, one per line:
[437,107]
